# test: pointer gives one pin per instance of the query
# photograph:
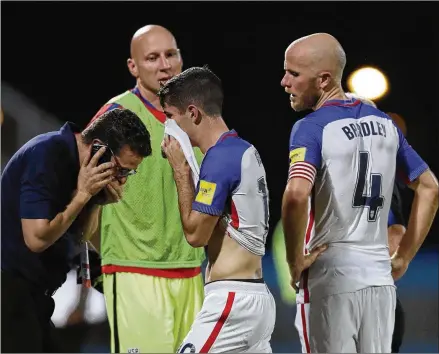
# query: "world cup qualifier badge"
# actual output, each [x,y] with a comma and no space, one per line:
[187,348]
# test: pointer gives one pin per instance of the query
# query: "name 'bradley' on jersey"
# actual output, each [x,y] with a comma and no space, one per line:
[356,130]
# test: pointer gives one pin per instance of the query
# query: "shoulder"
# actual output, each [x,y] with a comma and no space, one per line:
[44,149]
[228,151]
[310,126]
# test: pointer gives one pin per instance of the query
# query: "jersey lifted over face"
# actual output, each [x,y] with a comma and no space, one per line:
[351,152]
[232,182]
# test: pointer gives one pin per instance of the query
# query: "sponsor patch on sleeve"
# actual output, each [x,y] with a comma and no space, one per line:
[206,193]
[297,155]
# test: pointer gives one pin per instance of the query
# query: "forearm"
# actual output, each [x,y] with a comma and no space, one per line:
[91,222]
[294,220]
[59,225]
[424,208]
[186,196]
[395,235]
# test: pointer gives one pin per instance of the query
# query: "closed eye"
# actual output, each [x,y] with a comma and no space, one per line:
[294,73]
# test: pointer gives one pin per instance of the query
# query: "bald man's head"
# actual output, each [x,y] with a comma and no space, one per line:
[144,34]
[155,57]
[322,52]
[313,70]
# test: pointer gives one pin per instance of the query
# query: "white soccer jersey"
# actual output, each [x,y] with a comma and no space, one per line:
[233,182]
[351,152]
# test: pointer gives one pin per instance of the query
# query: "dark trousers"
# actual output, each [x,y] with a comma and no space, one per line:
[26,313]
[398,332]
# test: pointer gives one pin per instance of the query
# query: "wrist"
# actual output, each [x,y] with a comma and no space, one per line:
[402,256]
[296,261]
[82,197]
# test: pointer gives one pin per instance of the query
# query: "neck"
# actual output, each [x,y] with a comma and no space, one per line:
[150,96]
[336,93]
[215,128]
[83,149]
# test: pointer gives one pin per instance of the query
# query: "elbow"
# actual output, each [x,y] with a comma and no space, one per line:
[294,197]
[34,243]
[194,240]
[429,191]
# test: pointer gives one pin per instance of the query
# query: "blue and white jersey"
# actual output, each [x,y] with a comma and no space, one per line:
[350,151]
[233,183]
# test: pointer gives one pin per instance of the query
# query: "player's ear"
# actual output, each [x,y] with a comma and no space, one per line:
[324,80]
[194,114]
[132,67]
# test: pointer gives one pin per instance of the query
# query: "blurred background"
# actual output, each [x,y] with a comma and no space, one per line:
[62,60]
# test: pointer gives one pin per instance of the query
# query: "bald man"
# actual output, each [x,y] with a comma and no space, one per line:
[152,278]
[343,158]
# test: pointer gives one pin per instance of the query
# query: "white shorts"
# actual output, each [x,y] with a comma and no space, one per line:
[236,316]
[356,322]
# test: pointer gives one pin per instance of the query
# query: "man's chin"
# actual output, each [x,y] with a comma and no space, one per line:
[296,107]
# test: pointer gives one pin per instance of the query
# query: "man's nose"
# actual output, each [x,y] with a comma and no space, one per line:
[283,82]
[165,64]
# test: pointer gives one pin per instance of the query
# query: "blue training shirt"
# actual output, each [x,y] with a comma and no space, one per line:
[37,183]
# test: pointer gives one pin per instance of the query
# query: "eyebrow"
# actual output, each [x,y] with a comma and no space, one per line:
[157,52]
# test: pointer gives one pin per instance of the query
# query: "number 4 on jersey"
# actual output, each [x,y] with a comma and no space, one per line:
[375,201]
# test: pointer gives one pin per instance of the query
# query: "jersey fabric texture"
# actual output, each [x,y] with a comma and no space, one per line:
[355,151]
[233,182]
[144,229]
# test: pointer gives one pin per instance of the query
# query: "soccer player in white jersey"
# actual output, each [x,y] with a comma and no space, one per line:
[238,312]
[343,159]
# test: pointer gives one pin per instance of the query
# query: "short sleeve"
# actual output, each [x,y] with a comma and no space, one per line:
[215,183]
[305,149]
[39,185]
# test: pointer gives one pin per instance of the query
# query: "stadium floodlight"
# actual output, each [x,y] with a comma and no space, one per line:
[368,82]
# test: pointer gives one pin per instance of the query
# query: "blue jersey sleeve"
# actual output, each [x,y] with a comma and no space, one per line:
[306,143]
[218,174]
[38,192]
[408,163]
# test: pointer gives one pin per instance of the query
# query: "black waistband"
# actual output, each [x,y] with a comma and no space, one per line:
[258,281]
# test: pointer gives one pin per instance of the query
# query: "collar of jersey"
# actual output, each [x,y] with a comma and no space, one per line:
[345,103]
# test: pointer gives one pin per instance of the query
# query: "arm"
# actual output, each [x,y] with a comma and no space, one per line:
[417,175]
[197,227]
[395,234]
[201,207]
[423,211]
[41,228]
[39,234]
[90,220]
[305,158]
[295,217]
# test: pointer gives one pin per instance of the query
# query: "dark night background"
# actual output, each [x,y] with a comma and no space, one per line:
[70,59]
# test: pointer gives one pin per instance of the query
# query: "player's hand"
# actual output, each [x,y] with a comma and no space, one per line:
[93,178]
[399,266]
[113,192]
[304,263]
[174,153]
